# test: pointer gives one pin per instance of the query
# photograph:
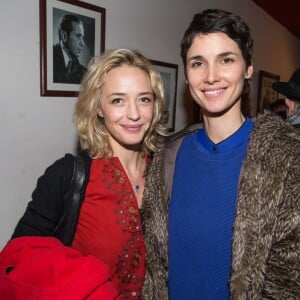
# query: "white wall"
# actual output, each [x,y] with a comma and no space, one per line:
[37,130]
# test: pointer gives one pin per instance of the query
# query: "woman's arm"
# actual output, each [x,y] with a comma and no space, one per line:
[47,206]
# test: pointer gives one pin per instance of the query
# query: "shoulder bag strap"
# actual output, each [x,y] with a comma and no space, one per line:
[73,200]
[65,228]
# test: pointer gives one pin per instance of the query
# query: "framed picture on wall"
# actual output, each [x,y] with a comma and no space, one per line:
[266,95]
[71,33]
[169,73]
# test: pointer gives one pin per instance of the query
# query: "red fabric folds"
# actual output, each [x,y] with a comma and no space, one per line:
[42,268]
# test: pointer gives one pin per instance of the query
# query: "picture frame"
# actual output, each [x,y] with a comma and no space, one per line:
[169,74]
[53,60]
[266,95]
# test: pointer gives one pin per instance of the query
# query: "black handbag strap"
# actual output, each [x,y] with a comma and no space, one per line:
[73,200]
[65,229]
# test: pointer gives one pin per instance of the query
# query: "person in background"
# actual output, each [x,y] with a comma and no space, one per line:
[279,108]
[291,91]
[119,120]
[66,53]
[232,219]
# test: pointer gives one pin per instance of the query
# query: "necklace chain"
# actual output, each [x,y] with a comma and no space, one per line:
[135,185]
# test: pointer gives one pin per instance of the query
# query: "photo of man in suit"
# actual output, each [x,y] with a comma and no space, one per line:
[66,53]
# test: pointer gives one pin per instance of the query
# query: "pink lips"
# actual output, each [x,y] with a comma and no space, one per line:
[132,128]
[213,93]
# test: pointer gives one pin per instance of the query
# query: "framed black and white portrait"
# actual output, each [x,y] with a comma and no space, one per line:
[266,95]
[169,73]
[71,34]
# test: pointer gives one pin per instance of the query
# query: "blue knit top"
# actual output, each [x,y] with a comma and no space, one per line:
[201,214]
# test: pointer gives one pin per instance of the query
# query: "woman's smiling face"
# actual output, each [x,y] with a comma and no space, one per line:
[126,105]
[216,71]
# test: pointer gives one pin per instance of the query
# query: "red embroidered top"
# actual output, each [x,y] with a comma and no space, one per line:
[110,228]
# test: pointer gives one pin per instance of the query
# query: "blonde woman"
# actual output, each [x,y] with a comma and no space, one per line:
[119,120]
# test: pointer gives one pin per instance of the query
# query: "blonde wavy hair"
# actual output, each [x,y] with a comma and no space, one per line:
[91,129]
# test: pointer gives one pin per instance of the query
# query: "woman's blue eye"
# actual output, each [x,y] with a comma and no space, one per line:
[146,100]
[116,101]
